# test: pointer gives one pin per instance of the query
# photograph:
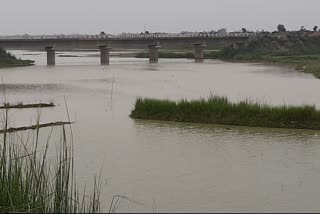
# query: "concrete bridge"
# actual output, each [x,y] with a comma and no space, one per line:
[104,44]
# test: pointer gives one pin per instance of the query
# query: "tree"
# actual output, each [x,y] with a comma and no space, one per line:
[102,33]
[244,30]
[281,28]
[302,28]
[315,28]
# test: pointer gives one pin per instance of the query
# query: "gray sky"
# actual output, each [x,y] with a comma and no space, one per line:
[117,16]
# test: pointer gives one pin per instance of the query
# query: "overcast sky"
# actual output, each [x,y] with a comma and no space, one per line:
[117,16]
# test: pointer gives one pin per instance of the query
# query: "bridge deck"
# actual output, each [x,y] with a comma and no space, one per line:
[120,42]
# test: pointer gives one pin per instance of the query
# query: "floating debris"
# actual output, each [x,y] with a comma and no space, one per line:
[37,105]
[24,128]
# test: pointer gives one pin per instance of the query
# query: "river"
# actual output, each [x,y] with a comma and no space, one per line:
[179,167]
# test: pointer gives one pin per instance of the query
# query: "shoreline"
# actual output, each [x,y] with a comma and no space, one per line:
[17,63]
[14,65]
[308,67]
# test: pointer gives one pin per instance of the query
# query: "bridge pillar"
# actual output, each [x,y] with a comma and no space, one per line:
[199,52]
[104,55]
[153,53]
[51,56]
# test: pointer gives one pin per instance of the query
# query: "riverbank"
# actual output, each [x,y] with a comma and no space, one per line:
[298,50]
[219,110]
[8,60]
[294,49]
[20,63]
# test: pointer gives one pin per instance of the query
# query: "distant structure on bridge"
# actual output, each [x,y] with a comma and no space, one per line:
[212,40]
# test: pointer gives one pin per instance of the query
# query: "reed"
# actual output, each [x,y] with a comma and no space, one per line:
[219,110]
[30,182]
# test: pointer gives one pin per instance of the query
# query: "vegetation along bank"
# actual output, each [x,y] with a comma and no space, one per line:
[8,60]
[219,110]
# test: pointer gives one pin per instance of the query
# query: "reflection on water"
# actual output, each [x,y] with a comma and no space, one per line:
[153,67]
[183,167]
[213,130]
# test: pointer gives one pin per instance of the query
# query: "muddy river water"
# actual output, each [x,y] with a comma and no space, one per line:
[179,167]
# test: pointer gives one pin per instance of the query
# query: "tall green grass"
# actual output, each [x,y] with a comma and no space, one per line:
[219,110]
[30,182]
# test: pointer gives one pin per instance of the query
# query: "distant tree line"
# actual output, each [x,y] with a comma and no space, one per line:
[281,28]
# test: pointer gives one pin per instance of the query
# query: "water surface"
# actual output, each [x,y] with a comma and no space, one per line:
[183,167]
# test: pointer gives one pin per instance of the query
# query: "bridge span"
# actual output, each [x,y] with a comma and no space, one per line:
[153,43]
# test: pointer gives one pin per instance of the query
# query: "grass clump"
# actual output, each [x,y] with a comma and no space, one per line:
[219,110]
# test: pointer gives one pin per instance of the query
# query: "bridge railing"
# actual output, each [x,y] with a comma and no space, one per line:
[129,36]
